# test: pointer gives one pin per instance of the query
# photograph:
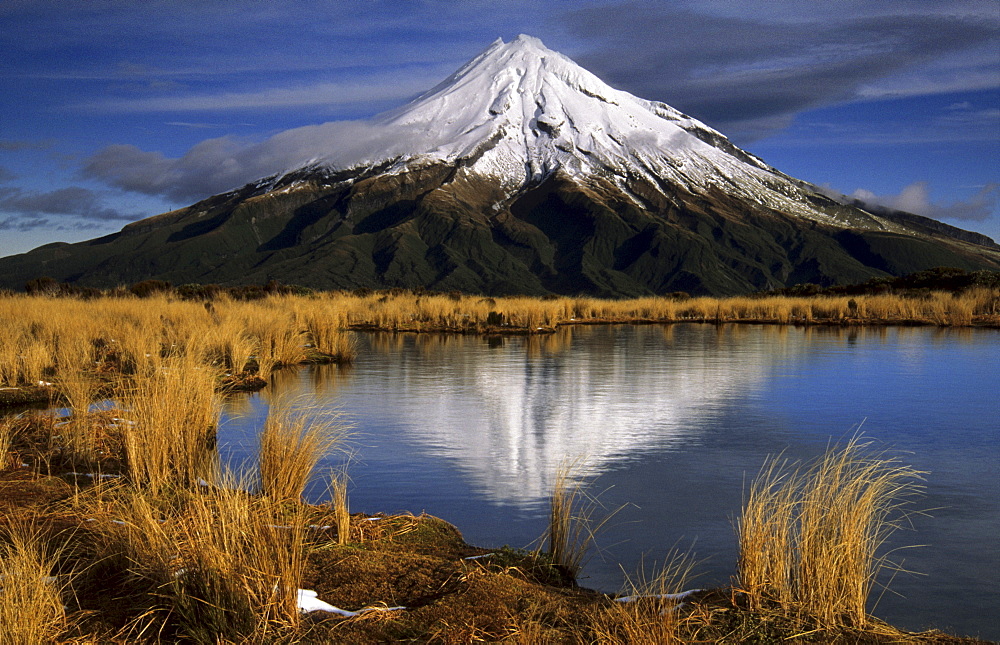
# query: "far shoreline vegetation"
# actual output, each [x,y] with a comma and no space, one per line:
[941,296]
[122,525]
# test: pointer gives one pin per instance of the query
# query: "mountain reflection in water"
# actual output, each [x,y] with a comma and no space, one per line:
[509,411]
[508,416]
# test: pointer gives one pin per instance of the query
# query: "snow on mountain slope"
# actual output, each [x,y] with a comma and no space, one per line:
[520,111]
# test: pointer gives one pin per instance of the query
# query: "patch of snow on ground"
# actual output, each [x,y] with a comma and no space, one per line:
[308,601]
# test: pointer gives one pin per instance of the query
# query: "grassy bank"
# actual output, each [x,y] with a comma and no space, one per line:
[110,541]
[69,349]
[410,312]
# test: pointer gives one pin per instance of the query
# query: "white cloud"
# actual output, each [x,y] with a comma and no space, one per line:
[738,65]
[223,163]
[915,198]
[384,89]
[73,203]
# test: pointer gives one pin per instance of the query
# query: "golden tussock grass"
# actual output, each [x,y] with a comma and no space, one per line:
[242,567]
[77,435]
[171,416]
[223,563]
[7,428]
[568,535]
[32,362]
[650,610]
[341,509]
[31,595]
[6,458]
[212,561]
[41,336]
[811,537]
[216,564]
[404,311]
[573,523]
[292,442]
[228,347]
[767,536]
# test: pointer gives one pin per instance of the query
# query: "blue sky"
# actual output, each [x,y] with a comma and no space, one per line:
[115,110]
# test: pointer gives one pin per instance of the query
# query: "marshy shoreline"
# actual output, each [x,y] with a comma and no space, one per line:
[131,496]
[105,558]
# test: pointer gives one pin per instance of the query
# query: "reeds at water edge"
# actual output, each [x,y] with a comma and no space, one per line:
[6,441]
[574,519]
[811,537]
[43,337]
[294,439]
[219,557]
[170,419]
[340,506]
[648,611]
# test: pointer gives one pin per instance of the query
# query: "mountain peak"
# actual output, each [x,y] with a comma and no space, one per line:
[524,40]
[522,43]
[519,111]
[527,59]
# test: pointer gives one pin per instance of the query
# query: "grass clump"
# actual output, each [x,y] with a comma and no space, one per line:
[767,536]
[810,537]
[77,431]
[224,563]
[215,565]
[172,415]
[6,443]
[292,442]
[31,596]
[339,505]
[241,568]
[650,610]
[572,524]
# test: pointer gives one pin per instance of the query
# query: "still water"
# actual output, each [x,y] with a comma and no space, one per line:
[673,422]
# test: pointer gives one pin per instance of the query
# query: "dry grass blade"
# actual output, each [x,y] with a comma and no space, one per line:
[325,328]
[77,432]
[172,419]
[242,567]
[650,610]
[6,438]
[341,511]
[222,564]
[239,349]
[853,498]
[767,535]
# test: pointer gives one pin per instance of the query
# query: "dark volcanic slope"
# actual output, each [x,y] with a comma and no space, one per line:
[432,227]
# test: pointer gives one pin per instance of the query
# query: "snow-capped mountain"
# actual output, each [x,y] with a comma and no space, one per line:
[518,112]
[520,173]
